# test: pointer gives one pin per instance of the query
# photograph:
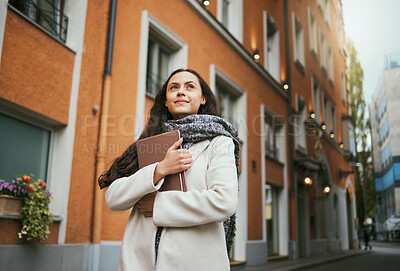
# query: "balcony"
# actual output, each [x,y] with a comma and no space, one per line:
[46,14]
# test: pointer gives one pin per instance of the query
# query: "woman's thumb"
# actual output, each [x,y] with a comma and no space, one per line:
[177,144]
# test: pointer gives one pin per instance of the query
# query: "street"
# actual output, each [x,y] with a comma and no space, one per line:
[384,256]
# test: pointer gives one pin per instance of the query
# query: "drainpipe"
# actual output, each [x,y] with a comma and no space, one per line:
[292,190]
[101,153]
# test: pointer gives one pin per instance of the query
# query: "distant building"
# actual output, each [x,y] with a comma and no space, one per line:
[385,131]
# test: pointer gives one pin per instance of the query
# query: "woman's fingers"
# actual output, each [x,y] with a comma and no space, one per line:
[176,144]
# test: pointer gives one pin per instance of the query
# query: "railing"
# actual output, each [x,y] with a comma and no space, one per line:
[46,14]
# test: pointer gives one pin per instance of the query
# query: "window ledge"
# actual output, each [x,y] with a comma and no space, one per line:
[314,54]
[323,69]
[301,149]
[300,66]
[274,160]
[331,82]
[17,217]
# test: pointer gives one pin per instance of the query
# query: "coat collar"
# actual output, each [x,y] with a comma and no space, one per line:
[196,149]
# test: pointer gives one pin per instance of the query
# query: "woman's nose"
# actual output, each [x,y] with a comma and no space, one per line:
[181,91]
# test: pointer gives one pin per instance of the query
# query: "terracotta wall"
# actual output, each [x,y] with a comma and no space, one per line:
[34,66]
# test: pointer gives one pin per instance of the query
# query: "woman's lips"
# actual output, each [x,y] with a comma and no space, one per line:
[181,102]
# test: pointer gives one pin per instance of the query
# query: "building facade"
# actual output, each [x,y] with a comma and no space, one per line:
[385,145]
[81,86]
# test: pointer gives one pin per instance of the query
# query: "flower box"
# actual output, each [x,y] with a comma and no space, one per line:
[10,205]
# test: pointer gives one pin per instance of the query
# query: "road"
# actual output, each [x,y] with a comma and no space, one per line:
[384,256]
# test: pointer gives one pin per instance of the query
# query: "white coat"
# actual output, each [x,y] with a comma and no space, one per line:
[193,237]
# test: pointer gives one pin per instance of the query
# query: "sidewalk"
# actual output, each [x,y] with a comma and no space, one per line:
[302,263]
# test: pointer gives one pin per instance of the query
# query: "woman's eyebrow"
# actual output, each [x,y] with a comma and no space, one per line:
[188,82]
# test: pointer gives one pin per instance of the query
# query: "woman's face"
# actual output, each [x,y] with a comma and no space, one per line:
[184,95]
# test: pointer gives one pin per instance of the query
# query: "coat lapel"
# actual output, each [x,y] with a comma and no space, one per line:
[196,149]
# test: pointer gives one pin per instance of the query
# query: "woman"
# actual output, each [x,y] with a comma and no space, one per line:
[190,230]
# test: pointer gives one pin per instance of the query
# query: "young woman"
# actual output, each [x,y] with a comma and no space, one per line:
[190,230]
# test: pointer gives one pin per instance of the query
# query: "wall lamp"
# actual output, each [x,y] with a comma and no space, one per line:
[323,126]
[312,114]
[341,145]
[332,135]
[326,189]
[206,3]
[256,55]
[307,181]
[285,86]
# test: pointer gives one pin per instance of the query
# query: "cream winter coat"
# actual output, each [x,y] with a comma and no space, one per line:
[193,237]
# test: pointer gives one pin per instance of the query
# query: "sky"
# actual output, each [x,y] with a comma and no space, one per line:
[374,28]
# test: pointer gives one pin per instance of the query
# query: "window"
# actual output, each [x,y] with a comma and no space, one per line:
[320,6]
[228,101]
[340,39]
[313,32]
[327,113]
[352,140]
[272,127]
[230,14]
[271,47]
[158,65]
[47,13]
[333,120]
[225,13]
[322,50]
[24,149]
[300,130]
[330,64]
[343,84]
[315,97]
[298,41]
[327,13]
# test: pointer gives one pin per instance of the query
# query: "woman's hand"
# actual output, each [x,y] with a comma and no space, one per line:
[145,205]
[175,160]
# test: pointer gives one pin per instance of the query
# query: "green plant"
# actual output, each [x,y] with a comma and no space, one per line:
[36,217]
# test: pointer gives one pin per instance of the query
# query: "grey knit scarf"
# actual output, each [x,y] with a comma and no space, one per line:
[196,128]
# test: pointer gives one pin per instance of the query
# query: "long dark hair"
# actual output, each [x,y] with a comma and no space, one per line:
[126,164]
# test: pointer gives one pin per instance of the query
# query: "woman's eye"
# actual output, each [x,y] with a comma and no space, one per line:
[174,87]
[190,86]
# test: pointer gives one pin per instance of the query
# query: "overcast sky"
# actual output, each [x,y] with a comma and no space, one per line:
[374,27]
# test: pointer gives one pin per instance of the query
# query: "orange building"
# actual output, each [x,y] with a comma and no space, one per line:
[80,83]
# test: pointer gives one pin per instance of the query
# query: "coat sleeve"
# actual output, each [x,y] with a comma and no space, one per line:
[124,192]
[217,203]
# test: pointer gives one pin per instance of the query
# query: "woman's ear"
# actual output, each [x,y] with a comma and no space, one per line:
[203,100]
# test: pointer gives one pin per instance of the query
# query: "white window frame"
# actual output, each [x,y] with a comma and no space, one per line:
[300,131]
[179,60]
[316,101]
[333,120]
[343,86]
[327,13]
[313,33]
[235,17]
[320,5]
[272,61]
[326,109]
[322,49]
[340,38]
[330,64]
[240,242]
[298,41]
